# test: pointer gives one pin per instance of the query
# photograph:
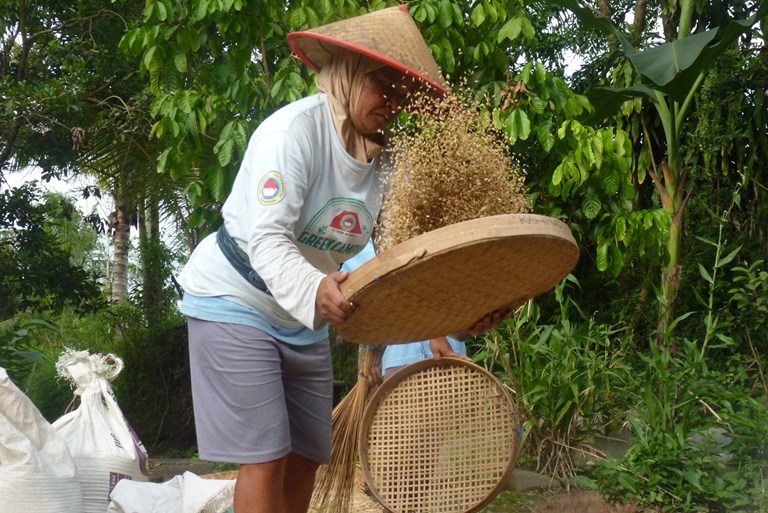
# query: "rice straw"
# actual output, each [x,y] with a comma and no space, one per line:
[334,485]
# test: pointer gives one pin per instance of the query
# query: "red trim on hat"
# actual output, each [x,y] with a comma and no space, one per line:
[293,42]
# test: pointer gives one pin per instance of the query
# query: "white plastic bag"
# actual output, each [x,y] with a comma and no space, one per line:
[103,445]
[37,473]
[187,493]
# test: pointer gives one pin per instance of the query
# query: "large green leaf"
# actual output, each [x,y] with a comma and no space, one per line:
[674,67]
[588,17]
[662,64]
[607,100]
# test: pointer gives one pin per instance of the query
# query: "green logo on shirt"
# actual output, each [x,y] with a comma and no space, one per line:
[342,226]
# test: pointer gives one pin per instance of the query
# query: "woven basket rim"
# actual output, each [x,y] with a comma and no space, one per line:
[446,238]
[380,286]
[396,379]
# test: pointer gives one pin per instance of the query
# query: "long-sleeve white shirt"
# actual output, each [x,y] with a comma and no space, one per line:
[299,207]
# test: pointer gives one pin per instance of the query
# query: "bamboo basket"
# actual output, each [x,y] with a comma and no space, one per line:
[438,437]
[444,281]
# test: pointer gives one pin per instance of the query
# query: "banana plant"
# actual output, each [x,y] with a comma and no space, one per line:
[669,74]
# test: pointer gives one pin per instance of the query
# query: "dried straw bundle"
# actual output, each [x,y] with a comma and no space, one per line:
[450,165]
[334,485]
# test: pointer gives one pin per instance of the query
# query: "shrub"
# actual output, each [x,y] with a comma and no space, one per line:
[699,441]
[566,376]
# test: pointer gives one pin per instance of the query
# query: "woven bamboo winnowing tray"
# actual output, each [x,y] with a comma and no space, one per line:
[438,437]
[444,281]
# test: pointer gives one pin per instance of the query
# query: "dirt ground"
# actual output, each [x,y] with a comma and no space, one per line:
[534,501]
[571,502]
[540,501]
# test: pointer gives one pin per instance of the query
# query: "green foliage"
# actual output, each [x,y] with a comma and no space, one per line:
[36,266]
[156,289]
[45,337]
[76,234]
[690,451]
[714,324]
[16,350]
[58,70]
[592,178]
[154,388]
[216,69]
[669,76]
[695,410]
[749,299]
[33,344]
[638,232]
[675,68]
[345,357]
[729,135]
[567,374]
[474,42]
[728,288]
[699,438]
[51,395]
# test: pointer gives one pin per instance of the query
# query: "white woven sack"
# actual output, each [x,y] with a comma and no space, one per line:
[37,473]
[186,493]
[103,445]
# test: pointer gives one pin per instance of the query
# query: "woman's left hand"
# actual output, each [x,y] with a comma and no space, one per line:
[490,321]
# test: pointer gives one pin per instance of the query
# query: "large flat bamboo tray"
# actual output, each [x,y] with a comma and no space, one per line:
[444,281]
[438,437]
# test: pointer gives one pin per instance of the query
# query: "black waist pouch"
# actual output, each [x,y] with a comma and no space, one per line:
[239,259]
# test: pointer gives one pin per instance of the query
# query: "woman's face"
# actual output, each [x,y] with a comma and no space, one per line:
[382,98]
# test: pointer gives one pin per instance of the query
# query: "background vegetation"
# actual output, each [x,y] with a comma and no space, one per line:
[641,124]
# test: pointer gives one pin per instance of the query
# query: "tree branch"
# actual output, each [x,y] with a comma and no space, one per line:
[640,22]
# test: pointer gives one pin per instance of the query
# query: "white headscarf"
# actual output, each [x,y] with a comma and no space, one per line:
[342,80]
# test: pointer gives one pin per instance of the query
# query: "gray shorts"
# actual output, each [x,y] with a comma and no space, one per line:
[257,399]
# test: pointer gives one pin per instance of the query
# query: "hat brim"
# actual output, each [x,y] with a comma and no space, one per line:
[316,50]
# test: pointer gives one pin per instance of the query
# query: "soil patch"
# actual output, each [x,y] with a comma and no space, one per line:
[164,469]
[580,502]
[543,500]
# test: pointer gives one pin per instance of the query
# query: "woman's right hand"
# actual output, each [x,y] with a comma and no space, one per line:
[440,348]
[330,302]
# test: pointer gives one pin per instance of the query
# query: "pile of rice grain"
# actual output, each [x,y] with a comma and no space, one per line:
[449,165]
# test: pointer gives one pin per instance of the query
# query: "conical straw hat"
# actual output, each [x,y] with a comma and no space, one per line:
[388,35]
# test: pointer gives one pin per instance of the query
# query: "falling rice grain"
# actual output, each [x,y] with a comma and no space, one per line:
[449,165]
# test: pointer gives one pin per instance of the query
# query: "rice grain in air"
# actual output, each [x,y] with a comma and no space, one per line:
[449,165]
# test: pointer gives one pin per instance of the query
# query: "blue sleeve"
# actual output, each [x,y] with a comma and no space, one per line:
[356,261]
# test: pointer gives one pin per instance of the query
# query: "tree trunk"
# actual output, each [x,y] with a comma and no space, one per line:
[640,22]
[673,201]
[152,261]
[121,238]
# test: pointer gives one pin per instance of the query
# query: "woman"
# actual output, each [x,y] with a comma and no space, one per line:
[260,293]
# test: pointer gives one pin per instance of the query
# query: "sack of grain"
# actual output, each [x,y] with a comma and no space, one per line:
[102,443]
[37,473]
